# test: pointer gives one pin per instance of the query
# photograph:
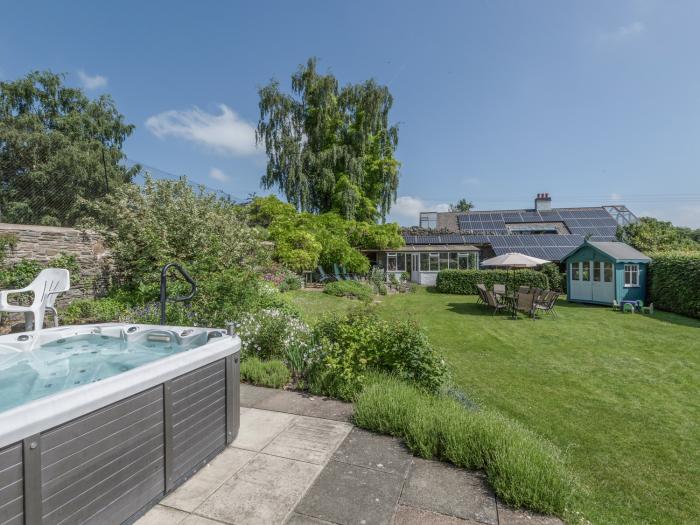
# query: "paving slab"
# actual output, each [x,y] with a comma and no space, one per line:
[309,439]
[301,519]
[192,494]
[263,492]
[251,395]
[508,516]
[346,494]
[406,515]
[197,520]
[304,404]
[445,489]
[159,515]
[366,449]
[259,427]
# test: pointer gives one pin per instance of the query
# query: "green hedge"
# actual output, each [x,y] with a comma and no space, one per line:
[674,279]
[465,281]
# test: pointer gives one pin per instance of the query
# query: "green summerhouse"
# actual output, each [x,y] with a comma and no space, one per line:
[603,272]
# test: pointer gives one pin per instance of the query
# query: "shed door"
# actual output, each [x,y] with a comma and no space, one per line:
[603,282]
[581,286]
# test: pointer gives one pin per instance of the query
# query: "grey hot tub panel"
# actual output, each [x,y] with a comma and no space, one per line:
[108,466]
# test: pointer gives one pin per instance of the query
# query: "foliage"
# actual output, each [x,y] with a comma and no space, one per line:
[105,310]
[330,148]
[652,235]
[21,273]
[377,278]
[351,347]
[58,150]
[272,373]
[354,289]
[8,241]
[304,240]
[271,333]
[524,470]
[578,379]
[163,220]
[675,282]
[462,205]
[290,282]
[555,279]
[465,281]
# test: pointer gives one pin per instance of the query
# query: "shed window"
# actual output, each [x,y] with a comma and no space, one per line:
[607,272]
[575,272]
[596,271]
[586,273]
[631,275]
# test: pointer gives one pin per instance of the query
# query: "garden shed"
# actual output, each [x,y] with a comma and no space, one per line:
[603,272]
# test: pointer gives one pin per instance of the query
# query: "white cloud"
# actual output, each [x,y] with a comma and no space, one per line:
[218,175]
[615,197]
[224,133]
[92,81]
[623,33]
[406,209]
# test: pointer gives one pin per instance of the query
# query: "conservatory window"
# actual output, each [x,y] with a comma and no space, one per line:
[444,260]
[391,262]
[631,275]
[424,262]
[434,262]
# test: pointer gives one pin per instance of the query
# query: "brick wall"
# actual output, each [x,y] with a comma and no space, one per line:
[42,243]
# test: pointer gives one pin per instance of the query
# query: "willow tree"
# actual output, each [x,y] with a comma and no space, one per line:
[330,148]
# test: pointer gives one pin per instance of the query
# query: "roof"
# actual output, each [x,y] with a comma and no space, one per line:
[431,248]
[617,250]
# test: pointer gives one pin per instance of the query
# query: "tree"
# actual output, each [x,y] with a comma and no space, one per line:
[462,205]
[330,148]
[652,235]
[58,149]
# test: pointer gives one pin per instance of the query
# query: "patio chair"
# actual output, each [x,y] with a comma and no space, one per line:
[481,290]
[547,303]
[628,308]
[493,302]
[348,275]
[324,277]
[499,289]
[338,274]
[648,309]
[45,288]
[524,289]
[616,305]
[525,302]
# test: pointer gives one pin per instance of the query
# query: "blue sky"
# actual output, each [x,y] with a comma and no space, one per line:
[593,102]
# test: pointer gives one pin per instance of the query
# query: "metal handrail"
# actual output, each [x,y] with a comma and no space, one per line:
[164,286]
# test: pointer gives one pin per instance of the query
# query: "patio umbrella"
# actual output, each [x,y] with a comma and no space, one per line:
[512,261]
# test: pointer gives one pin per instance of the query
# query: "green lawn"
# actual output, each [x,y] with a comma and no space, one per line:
[619,392]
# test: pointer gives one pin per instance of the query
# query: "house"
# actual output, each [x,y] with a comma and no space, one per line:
[603,272]
[462,239]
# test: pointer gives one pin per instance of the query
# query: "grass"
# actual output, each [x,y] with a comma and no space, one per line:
[617,392]
[273,373]
[355,289]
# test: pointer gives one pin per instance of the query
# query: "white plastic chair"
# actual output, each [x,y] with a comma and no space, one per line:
[46,287]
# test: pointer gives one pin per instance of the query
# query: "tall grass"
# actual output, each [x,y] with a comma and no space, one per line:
[272,373]
[523,469]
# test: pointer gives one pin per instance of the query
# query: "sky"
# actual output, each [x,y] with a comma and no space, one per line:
[594,102]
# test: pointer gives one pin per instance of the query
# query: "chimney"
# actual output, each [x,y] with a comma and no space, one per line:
[543,202]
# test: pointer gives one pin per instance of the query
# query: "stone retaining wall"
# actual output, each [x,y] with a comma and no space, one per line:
[43,243]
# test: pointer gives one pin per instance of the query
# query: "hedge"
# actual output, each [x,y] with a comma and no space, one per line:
[465,281]
[674,282]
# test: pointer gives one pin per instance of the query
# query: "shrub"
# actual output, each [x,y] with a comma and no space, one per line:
[377,278]
[290,282]
[349,289]
[465,281]
[523,469]
[82,311]
[675,282]
[556,279]
[272,333]
[351,347]
[271,373]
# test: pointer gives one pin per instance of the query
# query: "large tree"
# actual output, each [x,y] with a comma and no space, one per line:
[652,235]
[330,148]
[58,149]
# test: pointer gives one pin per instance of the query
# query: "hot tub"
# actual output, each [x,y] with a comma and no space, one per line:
[99,422]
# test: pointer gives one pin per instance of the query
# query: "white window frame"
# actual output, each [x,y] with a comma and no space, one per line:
[612,272]
[389,256]
[577,266]
[632,270]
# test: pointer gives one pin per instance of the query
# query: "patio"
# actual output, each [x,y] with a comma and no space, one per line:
[298,460]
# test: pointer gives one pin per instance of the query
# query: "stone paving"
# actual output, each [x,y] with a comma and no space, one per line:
[298,461]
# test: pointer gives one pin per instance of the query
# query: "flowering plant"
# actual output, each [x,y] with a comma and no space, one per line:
[273,332]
